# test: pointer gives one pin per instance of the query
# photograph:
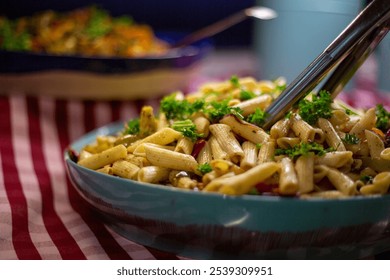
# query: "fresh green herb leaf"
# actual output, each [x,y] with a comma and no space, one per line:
[382,118]
[99,23]
[235,81]
[11,39]
[132,126]
[246,95]
[288,115]
[303,149]
[318,107]
[257,118]
[366,179]
[349,112]
[216,110]
[351,139]
[179,109]
[187,128]
[281,87]
[204,168]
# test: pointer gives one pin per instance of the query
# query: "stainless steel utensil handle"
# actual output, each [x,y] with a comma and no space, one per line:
[359,37]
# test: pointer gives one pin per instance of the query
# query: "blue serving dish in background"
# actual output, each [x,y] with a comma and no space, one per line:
[102,78]
[209,225]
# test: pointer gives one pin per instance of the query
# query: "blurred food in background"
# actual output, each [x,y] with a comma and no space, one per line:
[88,31]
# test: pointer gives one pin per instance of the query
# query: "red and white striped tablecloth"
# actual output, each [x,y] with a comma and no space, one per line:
[41,214]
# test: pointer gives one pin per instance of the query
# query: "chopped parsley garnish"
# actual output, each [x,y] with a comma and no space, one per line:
[318,107]
[257,118]
[179,109]
[204,168]
[11,39]
[99,23]
[303,149]
[382,118]
[246,95]
[182,109]
[132,127]
[366,179]
[187,128]
[235,81]
[216,110]
[281,87]
[351,139]
[349,112]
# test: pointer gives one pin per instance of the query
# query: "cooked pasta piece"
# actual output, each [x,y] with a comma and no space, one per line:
[335,159]
[147,123]
[216,149]
[380,184]
[104,158]
[250,155]
[266,152]
[305,131]
[184,145]
[170,159]
[304,168]
[385,154]
[246,130]
[202,125]
[205,155]
[182,180]
[288,183]
[244,182]
[249,106]
[222,167]
[341,181]
[280,128]
[287,142]
[153,174]
[125,169]
[162,137]
[375,144]
[106,170]
[339,117]
[225,137]
[367,121]
[84,154]
[331,136]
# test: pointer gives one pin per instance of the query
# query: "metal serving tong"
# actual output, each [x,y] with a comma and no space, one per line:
[344,56]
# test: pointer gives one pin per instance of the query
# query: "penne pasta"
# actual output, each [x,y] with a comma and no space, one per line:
[104,158]
[306,132]
[304,168]
[243,182]
[288,183]
[227,141]
[246,130]
[211,140]
[170,159]
[331,136]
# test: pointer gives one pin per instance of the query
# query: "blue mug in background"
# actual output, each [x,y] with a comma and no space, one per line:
[285,46]
[383,61]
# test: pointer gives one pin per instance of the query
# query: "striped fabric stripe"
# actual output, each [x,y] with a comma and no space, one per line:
[41,214]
